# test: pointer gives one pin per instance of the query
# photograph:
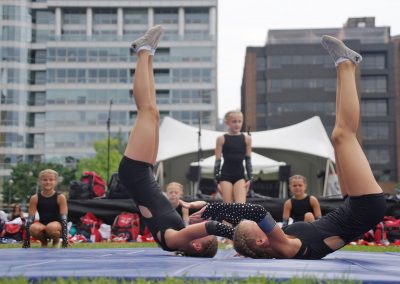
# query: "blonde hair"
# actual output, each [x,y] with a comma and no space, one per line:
[177,184]
[209,249]
[48,171]
[293,177]
[246,245]
[229,113]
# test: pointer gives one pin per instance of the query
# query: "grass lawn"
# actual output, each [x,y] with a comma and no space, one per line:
[251,280]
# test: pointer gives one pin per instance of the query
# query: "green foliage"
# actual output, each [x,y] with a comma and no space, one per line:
[23,181]
[99,162]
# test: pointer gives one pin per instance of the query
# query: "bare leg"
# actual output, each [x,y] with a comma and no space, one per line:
[339,174]
[309,217]
[355,175]
[239,191]
[38,231]
[226,191]
[142,142]
[53,231]
[154,101]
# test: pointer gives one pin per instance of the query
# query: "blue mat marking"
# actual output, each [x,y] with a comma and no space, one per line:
[151,263]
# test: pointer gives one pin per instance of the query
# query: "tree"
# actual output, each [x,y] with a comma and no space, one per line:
[23,181]
[99,162]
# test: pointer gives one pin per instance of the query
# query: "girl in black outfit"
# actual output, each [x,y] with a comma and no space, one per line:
[234,147]
[364,205]
[52,209]
[136,167]
[301,207]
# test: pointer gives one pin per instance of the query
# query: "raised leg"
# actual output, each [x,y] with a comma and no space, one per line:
[355,174]
[143,139]
[154,101]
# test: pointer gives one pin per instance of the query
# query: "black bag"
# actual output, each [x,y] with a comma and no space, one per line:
[80,190]
[116,190]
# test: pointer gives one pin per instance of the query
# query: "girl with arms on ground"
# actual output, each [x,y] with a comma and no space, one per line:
[364,205]
[136,167]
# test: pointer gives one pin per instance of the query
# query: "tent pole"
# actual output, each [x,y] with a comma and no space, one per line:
[160,174]
[327,169]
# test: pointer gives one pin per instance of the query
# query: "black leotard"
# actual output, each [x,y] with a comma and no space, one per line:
[48,208]
[299,208]
[233,152]
[350,220]
[139,180]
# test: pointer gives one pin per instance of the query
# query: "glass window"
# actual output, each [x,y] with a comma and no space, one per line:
[374,61]
[104,16]
[16,13]
[135,16]
[43,17]
[166,16]
[9,118]
[281,108]
[377,155]
[373,84]
[260,86]
[374,107]
[260,63]
[39,77]
[39,56]
[196,16]
[375,131]
[41,35]
[74,16]
[37,98]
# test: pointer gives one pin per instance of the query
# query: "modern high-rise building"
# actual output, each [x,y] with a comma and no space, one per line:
[62,62]
[292,78]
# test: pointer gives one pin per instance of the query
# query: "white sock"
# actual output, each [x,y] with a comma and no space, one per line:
[340,60]
[144,47]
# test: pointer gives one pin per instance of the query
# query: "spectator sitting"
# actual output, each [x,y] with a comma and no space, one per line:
[174,192]
[16,212]
[301,207]
[52,209]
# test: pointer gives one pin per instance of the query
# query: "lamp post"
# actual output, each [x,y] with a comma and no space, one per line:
[108,140]
[10,182]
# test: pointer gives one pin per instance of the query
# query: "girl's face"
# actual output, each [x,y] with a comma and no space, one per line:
[297,187]
[234,122]
[48,182]
[174,193]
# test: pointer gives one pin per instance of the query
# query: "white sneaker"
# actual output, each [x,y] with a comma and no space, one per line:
[338,50]
[149,40]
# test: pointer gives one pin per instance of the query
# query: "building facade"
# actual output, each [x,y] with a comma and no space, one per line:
[64,64]
[292,78]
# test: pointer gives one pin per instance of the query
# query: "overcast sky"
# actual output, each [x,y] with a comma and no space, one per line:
[246,23]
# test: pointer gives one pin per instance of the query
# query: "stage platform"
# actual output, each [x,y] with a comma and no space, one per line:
[153,263]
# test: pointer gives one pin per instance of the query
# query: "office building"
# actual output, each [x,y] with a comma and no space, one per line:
[62,62]
[292,78]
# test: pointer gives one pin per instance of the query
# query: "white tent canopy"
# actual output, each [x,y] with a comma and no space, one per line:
[259,163]
[304,146]
[309,137]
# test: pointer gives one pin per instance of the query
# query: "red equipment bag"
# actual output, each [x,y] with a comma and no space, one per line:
[14,231]
[126,226]
[96,184]
[89,227]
